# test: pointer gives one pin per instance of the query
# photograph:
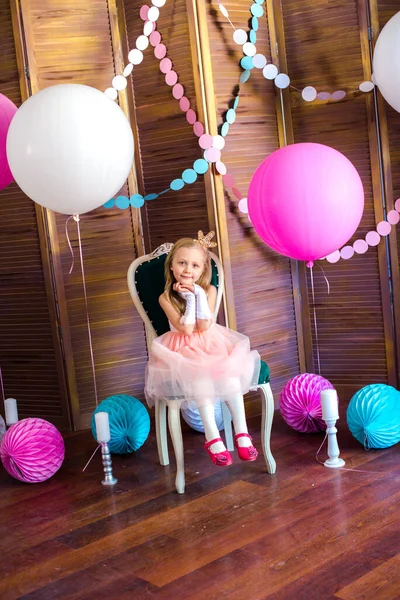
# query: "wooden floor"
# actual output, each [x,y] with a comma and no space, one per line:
[307,532]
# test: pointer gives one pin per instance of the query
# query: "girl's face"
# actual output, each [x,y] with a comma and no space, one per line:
[187,265]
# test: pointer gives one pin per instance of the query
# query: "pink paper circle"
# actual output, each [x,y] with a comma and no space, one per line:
[372,238]
[184,104]
[323,95]
[397,205]
[205,141]
[243,205]
[228,181]
[221,167]
[191,117]
[237,193]
[383,228]
[160,51]
[155,38]
[393,217]
[213,154]
[338,95]
[333,257]
[165,65]
[171,78]
[360,246]
[198,128]
[144,11]
[177,91]
[347,252]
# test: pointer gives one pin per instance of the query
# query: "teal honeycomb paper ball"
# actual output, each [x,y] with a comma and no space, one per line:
[373,416]
[129,423]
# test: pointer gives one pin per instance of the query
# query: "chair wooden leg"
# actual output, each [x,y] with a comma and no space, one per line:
[266,424]
[226,415]
[161,432]
[174,422]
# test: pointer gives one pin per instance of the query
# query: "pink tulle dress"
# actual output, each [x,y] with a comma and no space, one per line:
[212,365]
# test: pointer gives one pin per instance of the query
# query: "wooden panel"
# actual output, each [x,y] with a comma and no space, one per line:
[27,353]
[262,280]
[351,317]
[168,145]
[72,43]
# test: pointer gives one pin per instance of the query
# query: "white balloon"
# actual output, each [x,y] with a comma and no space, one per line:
[69,148]
[386,62]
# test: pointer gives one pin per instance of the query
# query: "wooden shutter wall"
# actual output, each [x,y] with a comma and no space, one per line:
[262,280]
[323,50]
[168,145]
[30,362]
[71,42]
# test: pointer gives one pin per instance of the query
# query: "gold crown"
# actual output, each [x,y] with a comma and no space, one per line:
[205,240]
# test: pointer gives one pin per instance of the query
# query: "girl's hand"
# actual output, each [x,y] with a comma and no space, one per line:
[183,288]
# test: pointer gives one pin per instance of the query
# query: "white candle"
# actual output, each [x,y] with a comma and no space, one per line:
[10,406]
[102,427]
[330,406]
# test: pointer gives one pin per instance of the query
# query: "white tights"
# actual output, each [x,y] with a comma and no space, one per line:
[236,408]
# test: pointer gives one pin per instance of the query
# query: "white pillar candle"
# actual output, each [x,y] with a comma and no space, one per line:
[329,404]
[11,410]
[102,427]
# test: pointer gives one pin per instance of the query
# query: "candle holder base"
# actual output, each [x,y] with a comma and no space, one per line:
[333,463]
[111,481]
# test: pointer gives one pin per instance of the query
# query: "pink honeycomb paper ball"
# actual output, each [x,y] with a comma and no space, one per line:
[300,402]
[32,450]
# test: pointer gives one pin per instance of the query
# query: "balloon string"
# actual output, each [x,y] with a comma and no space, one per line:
[76,218]
[69,244]
[90,459]
[315,318]
[2,386]
[326,279]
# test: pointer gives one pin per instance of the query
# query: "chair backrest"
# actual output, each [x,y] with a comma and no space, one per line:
[146,283]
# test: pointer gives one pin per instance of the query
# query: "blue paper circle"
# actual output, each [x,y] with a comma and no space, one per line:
[192,417]
[236,103]
[259,1]
[177,184]
[201,166]
[254,23]
[253,36]
[224,129]
[244,76]
[109,203]
[129,423]
[373,416]
[247,63]
[122,202]
[189,175]
[151,196]
[137,200]
[257,11]
[230,116]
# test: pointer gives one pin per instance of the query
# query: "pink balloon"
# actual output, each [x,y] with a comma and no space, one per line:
[306,200]
[7,111]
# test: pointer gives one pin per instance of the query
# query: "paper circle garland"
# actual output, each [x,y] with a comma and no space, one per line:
[300,402]
[373,416]
[192,417]
[129,423]
[32,450]
[7,112]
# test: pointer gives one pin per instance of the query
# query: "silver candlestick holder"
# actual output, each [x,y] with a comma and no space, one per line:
[109,479]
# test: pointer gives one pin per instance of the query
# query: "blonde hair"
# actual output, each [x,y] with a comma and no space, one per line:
[204,280]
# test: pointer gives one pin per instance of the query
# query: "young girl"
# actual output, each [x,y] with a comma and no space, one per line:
[199,361]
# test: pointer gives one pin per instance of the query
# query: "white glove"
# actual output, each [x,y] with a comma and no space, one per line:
[203,309]
[189,316]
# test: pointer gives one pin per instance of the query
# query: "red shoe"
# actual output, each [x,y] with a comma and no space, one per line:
[221,459]
[249,453]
